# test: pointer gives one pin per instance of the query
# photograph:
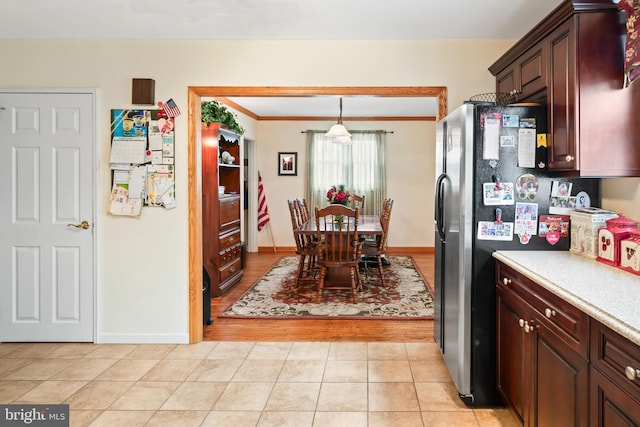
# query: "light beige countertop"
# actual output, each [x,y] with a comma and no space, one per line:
[607,294]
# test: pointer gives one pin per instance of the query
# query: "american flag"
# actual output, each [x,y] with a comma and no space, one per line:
[263,210]
[170,108]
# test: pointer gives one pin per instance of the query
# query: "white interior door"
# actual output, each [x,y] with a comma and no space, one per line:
[46,253]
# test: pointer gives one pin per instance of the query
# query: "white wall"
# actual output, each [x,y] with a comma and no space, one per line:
[143,268]
[622,195]
[410,176]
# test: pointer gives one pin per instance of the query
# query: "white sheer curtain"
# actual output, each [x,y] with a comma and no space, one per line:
[361,167]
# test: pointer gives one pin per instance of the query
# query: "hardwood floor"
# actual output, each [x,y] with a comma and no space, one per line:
[224,329]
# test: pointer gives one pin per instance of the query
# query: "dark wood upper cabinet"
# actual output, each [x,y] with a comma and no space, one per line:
[526,78]
[574,62]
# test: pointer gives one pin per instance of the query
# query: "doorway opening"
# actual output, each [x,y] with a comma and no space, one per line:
[195,94]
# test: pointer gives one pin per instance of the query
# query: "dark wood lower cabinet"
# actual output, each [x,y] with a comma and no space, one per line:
[543,370]
[512,351]
[561,375]
[542,379]
[615,378]
[610,405]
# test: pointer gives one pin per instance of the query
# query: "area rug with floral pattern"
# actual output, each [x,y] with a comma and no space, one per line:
[405,296]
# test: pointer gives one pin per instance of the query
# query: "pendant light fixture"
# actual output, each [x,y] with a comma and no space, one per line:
[339,133]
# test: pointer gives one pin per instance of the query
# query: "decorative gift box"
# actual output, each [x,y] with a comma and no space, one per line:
[609,238]
[585,223]
[630,253]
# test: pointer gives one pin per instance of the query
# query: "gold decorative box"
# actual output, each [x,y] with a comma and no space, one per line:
[585,223]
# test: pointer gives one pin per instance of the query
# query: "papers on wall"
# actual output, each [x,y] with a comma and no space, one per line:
[142,158]
[128,150]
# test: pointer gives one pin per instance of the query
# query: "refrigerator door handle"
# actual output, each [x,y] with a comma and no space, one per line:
[439,214]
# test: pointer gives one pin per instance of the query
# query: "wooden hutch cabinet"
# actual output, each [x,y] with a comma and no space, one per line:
[573,61]
[221,245]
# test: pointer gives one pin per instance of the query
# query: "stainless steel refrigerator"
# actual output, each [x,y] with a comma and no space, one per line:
[465,306]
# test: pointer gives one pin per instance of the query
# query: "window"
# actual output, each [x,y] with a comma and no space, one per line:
[359,166]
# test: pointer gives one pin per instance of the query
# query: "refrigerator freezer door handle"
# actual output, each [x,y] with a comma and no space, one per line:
[439,214]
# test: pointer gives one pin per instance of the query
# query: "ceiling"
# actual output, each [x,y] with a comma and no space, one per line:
[281,20]
[271,19]
[328,107]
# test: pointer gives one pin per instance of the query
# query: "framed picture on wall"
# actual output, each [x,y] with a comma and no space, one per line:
[288,164]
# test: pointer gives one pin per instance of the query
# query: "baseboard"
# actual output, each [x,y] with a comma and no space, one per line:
[143,339]
[284,249]
[391,250]
[408,250]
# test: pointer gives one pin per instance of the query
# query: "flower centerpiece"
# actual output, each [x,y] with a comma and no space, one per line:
[338,195]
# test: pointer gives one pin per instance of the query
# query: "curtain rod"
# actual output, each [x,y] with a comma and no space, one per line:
[379,130]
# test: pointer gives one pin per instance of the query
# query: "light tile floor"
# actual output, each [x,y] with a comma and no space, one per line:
[238,384]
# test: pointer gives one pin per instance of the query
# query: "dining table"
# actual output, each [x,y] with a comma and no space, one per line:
[368,225]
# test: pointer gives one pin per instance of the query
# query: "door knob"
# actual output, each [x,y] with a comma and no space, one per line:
[569,158]
[83,225]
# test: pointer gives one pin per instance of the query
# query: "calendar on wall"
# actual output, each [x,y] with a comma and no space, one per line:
[142,161]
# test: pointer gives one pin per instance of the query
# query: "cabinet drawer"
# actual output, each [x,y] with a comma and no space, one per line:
[229,239]
[617,357]
[229,270]
[229,255]
[561,317]
[229,211]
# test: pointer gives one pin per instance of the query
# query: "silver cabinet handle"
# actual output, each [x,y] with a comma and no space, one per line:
[521,322]
[632,373]
[549,313]
[569,158]
[506,281]
[530,327]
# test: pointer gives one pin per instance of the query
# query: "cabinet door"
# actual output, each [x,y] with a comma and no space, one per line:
[560,380]
[610,405]
[511,351]
[229,212]
[562,99]
[532,68]
[506,81]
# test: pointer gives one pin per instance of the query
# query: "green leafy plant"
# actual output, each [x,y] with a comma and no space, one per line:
[215,111]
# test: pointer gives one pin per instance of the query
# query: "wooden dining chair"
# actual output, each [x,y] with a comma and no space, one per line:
[299,210]
[358,201]
[339,247]
[306,249]
[303,209]
[376,248]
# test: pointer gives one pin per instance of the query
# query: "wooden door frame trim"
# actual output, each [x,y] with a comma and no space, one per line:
[194,95]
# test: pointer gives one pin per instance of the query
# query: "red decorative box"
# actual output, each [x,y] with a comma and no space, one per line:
[609,239]
[630,253]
